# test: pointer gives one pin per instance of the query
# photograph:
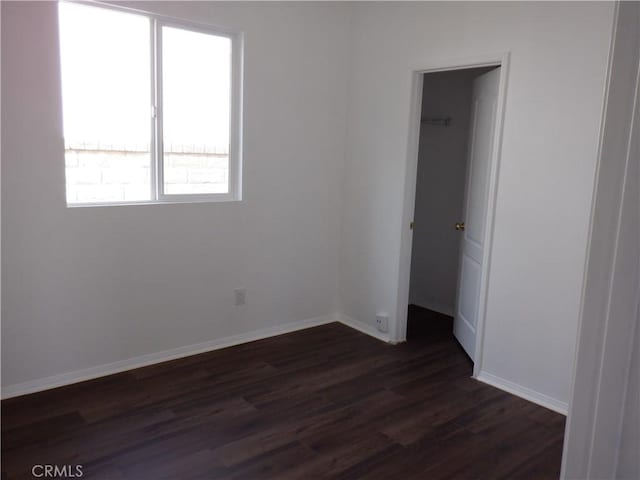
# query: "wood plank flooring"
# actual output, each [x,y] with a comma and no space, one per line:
[327,402]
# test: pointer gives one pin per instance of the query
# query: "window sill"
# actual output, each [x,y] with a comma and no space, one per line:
[226,199]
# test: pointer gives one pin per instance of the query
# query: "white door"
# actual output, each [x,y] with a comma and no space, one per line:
[472,225]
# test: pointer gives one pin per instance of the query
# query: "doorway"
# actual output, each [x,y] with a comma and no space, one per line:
[453,186]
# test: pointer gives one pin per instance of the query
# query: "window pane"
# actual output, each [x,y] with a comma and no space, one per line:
[196,76]
[105,57]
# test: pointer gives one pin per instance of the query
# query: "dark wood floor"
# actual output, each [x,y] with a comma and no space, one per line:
[327,402]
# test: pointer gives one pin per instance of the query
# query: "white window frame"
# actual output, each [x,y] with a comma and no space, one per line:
[156,112]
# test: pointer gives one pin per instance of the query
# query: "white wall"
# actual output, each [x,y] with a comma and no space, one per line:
[602,435]
[440,185]
[84,287]
[555,87]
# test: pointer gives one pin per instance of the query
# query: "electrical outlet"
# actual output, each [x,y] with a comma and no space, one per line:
[240,296]
[382,322]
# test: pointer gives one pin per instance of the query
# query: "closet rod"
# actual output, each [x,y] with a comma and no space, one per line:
[438,121]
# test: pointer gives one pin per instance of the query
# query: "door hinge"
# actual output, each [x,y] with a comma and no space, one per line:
[411,225]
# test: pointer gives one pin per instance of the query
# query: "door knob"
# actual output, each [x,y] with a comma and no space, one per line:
[460,226]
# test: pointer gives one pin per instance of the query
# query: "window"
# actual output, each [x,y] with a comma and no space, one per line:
[151,108]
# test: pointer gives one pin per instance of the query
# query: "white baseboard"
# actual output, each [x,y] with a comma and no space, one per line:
[524,392]
[363,327]
[188,350]
[443,309]
[158,357]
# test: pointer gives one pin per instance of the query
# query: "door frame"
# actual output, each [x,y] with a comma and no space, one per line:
[406,235]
